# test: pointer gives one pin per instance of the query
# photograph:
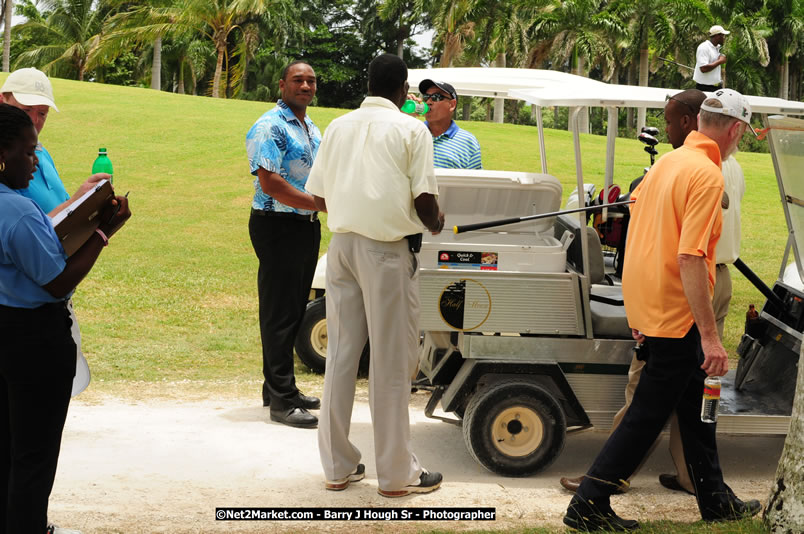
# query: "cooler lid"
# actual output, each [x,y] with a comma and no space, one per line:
[787,145]
[471,196]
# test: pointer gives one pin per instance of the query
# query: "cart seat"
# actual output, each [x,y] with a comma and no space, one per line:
[574,252]
[608,312]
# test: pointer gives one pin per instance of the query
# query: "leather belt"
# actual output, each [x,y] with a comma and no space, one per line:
[312,217]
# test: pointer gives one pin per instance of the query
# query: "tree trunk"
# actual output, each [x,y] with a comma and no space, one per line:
[400,36]
[7,35]
[629,116]
[643,81]
[499,103]
[555,117]
[784,79]
[467,107]
[488,110]
[785,510]
[156,66]
[180,88]
[216,79]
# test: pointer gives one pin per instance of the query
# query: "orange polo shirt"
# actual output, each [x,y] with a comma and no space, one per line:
[677,211]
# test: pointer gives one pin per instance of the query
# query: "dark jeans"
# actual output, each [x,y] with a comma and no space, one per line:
[37,366]
[288,251]
[671,380]
[708,88]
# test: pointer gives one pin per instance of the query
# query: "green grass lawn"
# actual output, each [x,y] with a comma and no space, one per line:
[174,295]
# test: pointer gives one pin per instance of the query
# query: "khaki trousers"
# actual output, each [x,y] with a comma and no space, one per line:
[720,304]
[372,291]
[722,296]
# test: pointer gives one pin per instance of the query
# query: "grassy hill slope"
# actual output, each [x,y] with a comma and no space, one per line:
[174,295]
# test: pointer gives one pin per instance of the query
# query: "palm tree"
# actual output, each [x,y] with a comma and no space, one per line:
[73,28]
[7,13]
[658,25]
[407,13]
[214,19]
[578,31]
[454,28]
[787,19]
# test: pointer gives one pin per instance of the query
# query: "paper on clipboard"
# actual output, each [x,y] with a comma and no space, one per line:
[77,222]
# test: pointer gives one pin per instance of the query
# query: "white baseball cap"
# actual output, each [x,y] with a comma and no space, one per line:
[717,29]
[734,105]
[30,87]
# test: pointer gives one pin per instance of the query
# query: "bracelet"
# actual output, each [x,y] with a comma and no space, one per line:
[103,236]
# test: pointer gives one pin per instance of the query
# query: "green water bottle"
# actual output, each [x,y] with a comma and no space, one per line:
[103,164]
[411,106]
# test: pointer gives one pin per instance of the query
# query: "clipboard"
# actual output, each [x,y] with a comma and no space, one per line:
[78,221]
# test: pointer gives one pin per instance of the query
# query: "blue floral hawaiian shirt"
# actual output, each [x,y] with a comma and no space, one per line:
[279,143]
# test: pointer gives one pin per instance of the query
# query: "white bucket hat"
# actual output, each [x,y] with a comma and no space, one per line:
[30,87]
[734,105]
[717,29]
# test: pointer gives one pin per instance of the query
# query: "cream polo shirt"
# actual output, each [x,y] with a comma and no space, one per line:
[372,163]
[728,248]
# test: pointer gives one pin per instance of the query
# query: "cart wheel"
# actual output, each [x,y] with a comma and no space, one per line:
[514,428]
[311,341]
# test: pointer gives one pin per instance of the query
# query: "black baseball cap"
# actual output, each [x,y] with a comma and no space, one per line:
[424,85]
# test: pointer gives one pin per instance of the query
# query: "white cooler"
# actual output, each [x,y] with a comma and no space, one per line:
[472,196]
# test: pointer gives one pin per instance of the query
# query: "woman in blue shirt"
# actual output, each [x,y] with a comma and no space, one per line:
[37,352]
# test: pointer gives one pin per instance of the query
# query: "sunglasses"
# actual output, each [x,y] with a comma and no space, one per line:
[435,97]
[693,111]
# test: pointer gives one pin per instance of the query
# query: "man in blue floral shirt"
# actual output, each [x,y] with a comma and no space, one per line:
[285,233]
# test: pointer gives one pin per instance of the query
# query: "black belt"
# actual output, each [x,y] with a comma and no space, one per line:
[9,311]
[287,215]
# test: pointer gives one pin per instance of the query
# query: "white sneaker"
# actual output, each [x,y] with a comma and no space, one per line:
[53,529]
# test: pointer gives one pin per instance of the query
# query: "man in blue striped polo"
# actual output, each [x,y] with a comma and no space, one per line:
[453,147]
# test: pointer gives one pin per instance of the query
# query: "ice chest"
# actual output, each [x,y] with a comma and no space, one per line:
[471,196]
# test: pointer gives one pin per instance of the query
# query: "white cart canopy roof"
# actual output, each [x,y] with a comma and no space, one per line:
[497,82]
[635,96]
[554,88]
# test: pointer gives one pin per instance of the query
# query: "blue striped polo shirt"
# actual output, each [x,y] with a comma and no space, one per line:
[456,149]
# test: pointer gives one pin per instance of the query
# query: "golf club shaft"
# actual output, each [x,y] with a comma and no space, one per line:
[674,62]
[513,220]
[760,285]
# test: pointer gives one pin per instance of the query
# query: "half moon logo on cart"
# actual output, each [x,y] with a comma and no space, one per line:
[465,304]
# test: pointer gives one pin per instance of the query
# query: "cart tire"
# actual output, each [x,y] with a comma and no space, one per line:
[514,428]
[311,341]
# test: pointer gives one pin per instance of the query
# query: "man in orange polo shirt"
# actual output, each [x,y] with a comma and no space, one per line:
[668,282]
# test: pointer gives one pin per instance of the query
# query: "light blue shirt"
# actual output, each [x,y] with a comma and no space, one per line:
[30,253]
[46,188]
[456,149]
[279,143]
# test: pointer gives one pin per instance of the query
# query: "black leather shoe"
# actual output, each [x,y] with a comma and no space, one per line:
[734,511]
[587,517]
[671,482]
[308,403]
[298,417]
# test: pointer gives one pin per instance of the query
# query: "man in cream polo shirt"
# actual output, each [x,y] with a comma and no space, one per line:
[728,248]
[374,176]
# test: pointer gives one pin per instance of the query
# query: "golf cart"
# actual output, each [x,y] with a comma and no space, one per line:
[524,337]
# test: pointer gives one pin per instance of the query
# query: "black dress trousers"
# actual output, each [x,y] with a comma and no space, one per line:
[287,249]
[671,380]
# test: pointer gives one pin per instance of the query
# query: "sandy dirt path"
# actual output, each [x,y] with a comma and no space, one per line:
[163,465]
